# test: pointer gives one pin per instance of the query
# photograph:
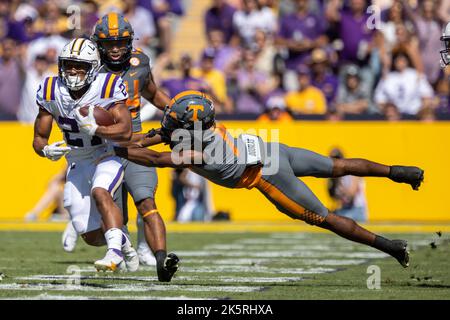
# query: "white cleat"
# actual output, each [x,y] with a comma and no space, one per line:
[131,258]
[146,257]
[69,238]
[113,261]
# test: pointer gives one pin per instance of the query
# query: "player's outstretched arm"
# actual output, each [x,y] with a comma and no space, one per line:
[121,130]
[151,158]
[143,140]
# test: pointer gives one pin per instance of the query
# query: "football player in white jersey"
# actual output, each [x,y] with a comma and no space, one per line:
[92,177]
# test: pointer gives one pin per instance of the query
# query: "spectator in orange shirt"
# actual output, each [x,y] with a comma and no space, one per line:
[275,111]
[308,99]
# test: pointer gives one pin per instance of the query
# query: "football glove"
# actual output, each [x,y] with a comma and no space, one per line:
[87,124]
[54,152]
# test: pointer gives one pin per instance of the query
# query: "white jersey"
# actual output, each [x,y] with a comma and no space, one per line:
[54,97]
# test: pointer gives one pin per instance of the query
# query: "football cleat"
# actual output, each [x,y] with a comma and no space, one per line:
[146,257]
[168,268]
[401,253]
[411,175]
[113,261]
[131,258]
[69,238]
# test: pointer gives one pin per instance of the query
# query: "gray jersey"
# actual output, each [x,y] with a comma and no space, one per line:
[135,79]
[223,158]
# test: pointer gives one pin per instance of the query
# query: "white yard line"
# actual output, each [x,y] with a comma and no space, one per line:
[281,254]
[256,269]
[46,296]
[127,288]
[223,279]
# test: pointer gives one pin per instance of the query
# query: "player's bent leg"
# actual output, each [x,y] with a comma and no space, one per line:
[155,233]
[106,180]
[94,238]
[308,163]
[113,222]
[292,197]
[141,182]
[154,227]
[111,215]
[145,254]
[349,229]
[69,238]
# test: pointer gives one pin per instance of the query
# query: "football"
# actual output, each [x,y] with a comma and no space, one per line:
[101,115]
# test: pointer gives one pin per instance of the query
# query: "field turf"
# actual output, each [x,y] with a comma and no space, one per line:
[230,266]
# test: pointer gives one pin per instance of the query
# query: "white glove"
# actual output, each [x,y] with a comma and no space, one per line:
[54,152]
[87,124]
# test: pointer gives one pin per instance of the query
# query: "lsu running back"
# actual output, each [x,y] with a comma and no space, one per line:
[92,178]
[104,89]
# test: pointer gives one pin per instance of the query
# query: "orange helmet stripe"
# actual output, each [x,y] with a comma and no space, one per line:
[187,93]
[113,24]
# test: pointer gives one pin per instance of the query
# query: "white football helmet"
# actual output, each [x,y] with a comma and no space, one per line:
[445,53]
[83,51]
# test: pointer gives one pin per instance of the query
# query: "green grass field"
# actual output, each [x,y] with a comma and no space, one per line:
[229,266]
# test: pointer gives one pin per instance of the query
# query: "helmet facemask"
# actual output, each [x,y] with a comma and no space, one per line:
[103,49]
[445,53]
[73,82]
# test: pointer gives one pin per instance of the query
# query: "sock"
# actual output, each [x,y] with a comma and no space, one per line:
[383,244]
[160,256]
[113,238]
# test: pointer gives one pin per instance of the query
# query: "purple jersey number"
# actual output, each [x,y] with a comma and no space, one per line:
[72,123]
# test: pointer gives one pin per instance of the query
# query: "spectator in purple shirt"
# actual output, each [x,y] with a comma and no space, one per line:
[224,53]
[354,30]
[253,86]
[11,78]
[428,29]
[173,86]
[220,16]
[322,77]
[9,28]
[300,33]
[362,45]
[355,33]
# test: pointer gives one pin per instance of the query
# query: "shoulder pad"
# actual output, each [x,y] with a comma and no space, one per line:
[139,59]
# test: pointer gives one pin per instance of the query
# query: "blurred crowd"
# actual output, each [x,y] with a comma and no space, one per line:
[264,59]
